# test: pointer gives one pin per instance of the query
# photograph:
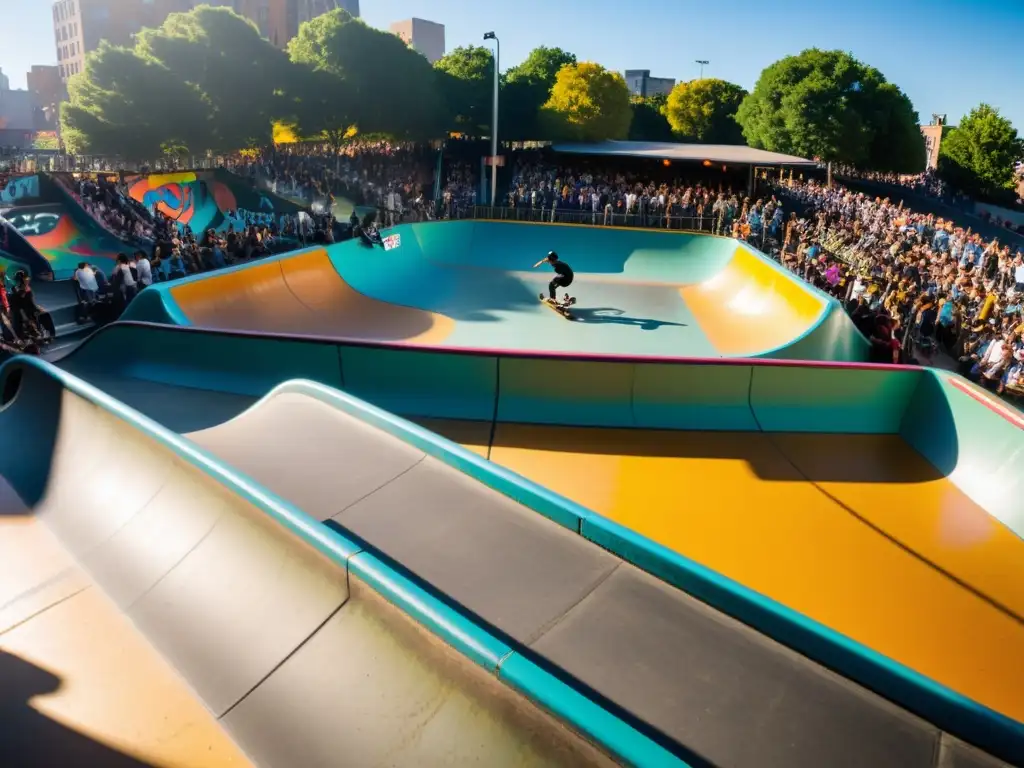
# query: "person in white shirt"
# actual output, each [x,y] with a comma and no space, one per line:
[144,269]
[123,276]
[87,282]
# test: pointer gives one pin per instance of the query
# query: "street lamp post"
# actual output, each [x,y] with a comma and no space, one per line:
[494,120]
[703,63]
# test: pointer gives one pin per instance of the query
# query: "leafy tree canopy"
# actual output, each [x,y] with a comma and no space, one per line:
[541,67]
[124,104]
[589,103]
[222,55]
[649,121]
[525,89]
[978,155]
[828,104]
[466,77]
[705,111]
[392,89]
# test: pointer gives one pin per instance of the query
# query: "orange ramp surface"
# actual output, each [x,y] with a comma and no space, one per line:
[303,294]
[857,532]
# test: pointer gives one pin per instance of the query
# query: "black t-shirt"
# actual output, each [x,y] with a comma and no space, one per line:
[562,268]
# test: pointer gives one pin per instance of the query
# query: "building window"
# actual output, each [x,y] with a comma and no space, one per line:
[62,70]
[72,7]
[60,56]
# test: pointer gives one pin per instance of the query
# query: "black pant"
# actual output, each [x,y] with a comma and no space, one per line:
[559,281]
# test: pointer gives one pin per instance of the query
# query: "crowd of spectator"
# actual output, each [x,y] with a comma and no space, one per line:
[398,180]
[594,194]
[109,204]
[913,278]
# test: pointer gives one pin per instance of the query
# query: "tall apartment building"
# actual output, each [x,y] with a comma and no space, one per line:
[427,37]
[5,81]
[47,89]
[279,20]
[80,25]
[640,83]
[933,133]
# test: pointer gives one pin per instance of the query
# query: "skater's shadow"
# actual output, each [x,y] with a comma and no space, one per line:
[618,317]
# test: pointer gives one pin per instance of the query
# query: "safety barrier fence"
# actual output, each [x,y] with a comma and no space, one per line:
[930,409]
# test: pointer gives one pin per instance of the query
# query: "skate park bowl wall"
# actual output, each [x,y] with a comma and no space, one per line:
[16,253]
[640,292]
[300,646]
[969,439]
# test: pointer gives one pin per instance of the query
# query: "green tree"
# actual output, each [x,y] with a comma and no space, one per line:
[649,121]
[540,67]
[393,89]
[322,105]
[589,103]
[829,105]
[242,76]
[705,111]
[978,155]
[525,89]
[124,104]
[466,79]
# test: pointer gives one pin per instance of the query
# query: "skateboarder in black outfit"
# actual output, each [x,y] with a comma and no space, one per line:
[563,274]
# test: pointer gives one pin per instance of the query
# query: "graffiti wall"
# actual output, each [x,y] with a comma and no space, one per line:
[180,196]
[19,188]
[16,253]
[201,199]
[51,230]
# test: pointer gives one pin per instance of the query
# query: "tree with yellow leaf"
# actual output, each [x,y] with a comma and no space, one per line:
[588,103]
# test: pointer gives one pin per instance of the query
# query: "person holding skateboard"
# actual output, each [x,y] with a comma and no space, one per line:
[563,275]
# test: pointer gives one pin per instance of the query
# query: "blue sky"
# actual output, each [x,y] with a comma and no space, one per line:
[947,55]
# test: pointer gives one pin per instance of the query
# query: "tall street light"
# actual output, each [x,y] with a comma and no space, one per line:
[703,63]
[494,120]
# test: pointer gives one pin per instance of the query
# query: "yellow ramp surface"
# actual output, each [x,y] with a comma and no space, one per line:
[303,295]
[750,308]
[856,532]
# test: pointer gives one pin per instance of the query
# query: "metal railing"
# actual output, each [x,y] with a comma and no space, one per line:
[605,218]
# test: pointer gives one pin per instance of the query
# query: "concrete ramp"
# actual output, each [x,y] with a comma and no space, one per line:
[159,609]
[302,294]
[711,689]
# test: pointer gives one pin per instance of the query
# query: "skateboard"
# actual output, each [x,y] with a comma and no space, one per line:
[561,307]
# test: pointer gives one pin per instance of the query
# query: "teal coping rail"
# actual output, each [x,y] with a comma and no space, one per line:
[474,642]
[614,391]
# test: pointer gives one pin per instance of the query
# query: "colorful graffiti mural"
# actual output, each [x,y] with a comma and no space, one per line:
[204,200]
[180,196]
[19,188]
[16,253]
[53,231]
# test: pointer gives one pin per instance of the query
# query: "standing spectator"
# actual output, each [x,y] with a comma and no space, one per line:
[87,284]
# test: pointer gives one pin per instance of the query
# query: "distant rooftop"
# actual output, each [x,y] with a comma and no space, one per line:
[662,150]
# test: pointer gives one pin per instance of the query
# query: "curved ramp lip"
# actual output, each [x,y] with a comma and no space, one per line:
[830,303]
[478,645]
[915,691]
[595,357]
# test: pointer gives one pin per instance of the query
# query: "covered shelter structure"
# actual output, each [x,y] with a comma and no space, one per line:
[725,155]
